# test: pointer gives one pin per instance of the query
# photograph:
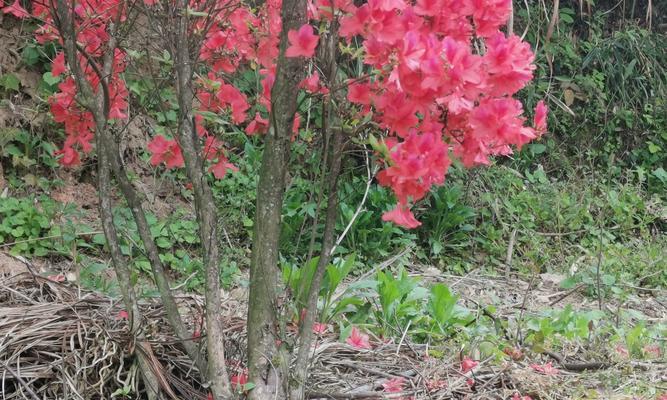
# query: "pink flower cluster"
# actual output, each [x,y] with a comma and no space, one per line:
[438,78]
[435,93]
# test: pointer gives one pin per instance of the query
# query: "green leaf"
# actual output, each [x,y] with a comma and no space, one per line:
[49,79]
[12,150]
[343,304]
[567,18]
[537,148]
[608,279]
[660,173]
[345,333]
[31,55]
[163,242]
[568,283]
[653,148]
[99,239]
[17,232]
[441,304]
[10,82]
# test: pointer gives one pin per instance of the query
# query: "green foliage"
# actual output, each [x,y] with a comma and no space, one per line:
[443,308]
[25,151]
[22,223]
[177,237]
[368,236]
[29,226]
[448,222]
[557,324]
[558,222]
[296,278]
[95,275]
[607,88]
[401,300]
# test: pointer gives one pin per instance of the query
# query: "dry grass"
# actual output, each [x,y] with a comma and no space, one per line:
[57,342]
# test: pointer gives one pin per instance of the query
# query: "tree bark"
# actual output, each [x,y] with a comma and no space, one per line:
[331,128]
[205,209]
[267,368]
[97,104]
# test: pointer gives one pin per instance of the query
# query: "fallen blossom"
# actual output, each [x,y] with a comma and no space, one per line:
[622,351]
[517,396]
[56,278]
[470,382]
[358,340]
[239,380]
[468,364]
[434,385]
[122,314]
[546,369]
[652,350]
[319,328]
[394,385]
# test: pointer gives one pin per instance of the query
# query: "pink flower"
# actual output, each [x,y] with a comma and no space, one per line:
[167,151]
[230,95]
[56,278]
[540,118]
[546,369]
[70,157]
[122,314]
[489,15]
[58,64]
[358,340]
[221,167]
[622,351]
[517,396]
[468,364]
[402,216]
[319,328]
[295,125]
[312,84]
[509,62]
[16,10]
[359,93]
[302,42]
[257,125]
[470,382]
[394,385]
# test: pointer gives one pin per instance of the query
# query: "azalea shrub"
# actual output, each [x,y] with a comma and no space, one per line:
[424,84]
[437,82]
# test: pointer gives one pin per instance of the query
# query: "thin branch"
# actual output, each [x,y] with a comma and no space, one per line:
[360,207]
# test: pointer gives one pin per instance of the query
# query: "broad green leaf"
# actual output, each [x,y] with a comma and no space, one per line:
[10,82]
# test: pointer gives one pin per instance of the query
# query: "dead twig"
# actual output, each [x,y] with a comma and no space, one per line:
[577,367]
[510,253]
